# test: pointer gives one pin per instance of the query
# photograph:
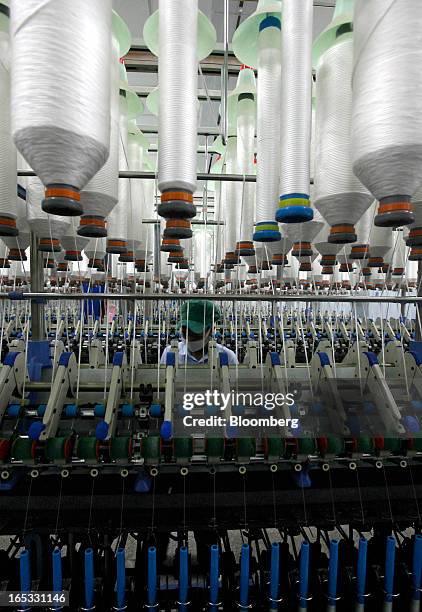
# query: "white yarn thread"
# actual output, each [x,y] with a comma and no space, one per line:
[339,195]
[96,248]
[146,235]
[60,71]
[134,216]
[303,232]
[245,155]
[201,252]
[117,219]
[100,195]
[231,197]
[178,83]
[71,241]
[40,222]
[296,96]
[387,89]
[365,225]
[268,124]
[7,148]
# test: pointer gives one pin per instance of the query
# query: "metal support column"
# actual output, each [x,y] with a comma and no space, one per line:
[37,285]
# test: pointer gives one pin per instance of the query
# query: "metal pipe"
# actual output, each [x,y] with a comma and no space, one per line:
[37,285]
[226,297]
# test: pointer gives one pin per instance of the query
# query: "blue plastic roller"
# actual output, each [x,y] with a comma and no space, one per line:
[274,575]
[120,579]
[417,568]
[89,578]
[332,573]
[25,571]
[152,576]
[214,572]
[390,557]
[361,571]
[183,577]
[244,576]
[304,576]
[57,570]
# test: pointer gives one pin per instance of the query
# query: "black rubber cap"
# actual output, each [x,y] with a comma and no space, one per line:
[7,230]
[49,248]
[246,252]
[176,209]
[302,253]
[342,238]
[116,250]
[65,207]
[360,255]
[411,241]
[73,258]
[177,232]
[125,258]
[13,258]
[174,259]
[415,257]
[92,231]
[394,219]
[168,248]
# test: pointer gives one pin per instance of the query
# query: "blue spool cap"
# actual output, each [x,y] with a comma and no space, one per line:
[25,571]
[238,410]
[152,575]
[411,424]
[244,576]
[128,410]
[211,410]
[120,578]
[99,410]
[41,410]
[332,571]
[266,236]
[294,214]
[166,430]
[13,410]
[274,574]
[71,411]
[57,570]
[304,574]
[89,578]
[155,411]
[270,22]
[214,572]
[101,430]
[35,430]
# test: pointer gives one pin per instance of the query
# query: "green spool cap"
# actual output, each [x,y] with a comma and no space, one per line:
[120,448]
[150,448]
[275,447]
[343,15]
[22,449]
[55,448]
[417,444]
[183,448]
[215,447]
[394,445]
[87,448]
[335,445]
[307,446]
[246,447]
[365,445]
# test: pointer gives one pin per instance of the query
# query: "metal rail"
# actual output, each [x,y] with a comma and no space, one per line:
[226,297]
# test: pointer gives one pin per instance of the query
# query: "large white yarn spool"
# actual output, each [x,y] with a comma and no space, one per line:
[117,219]
[18,244]
[8,211]
[387,89]
[100,195]
[339,195]
[61,117]
[268,131]
[231,200]
[324,247]
[295,110]
[246,123]
[146,235]
[136,146]
[48,228]
[202,254]
[380,243]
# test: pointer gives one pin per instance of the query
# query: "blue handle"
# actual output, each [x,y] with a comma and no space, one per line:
[304,575]
[332,572]
[25,571]
[214,571]
[121,578]
[89,578]
[274,574]
[244,576]
[390,556]
[183,576]
[361,573]
[417,567]
[57,570]
[152,575]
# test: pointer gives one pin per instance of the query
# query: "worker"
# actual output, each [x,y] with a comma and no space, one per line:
[196,320]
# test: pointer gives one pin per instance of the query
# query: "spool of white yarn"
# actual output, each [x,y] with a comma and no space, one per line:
[303,234]
[117,219]
[177,132]
[231,199]
[380,243]
[325,248]
[18,244]
[295,110]
[8,211]
[146,235]
[399,255]
[202,254]
[73,244]
[268,130]
[137,143]
[48,228]
[360,250]
[100,195]
[339,196]
[95,250]
[387,89]
[61,117]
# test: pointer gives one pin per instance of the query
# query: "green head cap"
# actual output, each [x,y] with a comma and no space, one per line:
[199,315]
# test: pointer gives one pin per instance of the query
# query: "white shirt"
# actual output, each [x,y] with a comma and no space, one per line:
[191,360]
